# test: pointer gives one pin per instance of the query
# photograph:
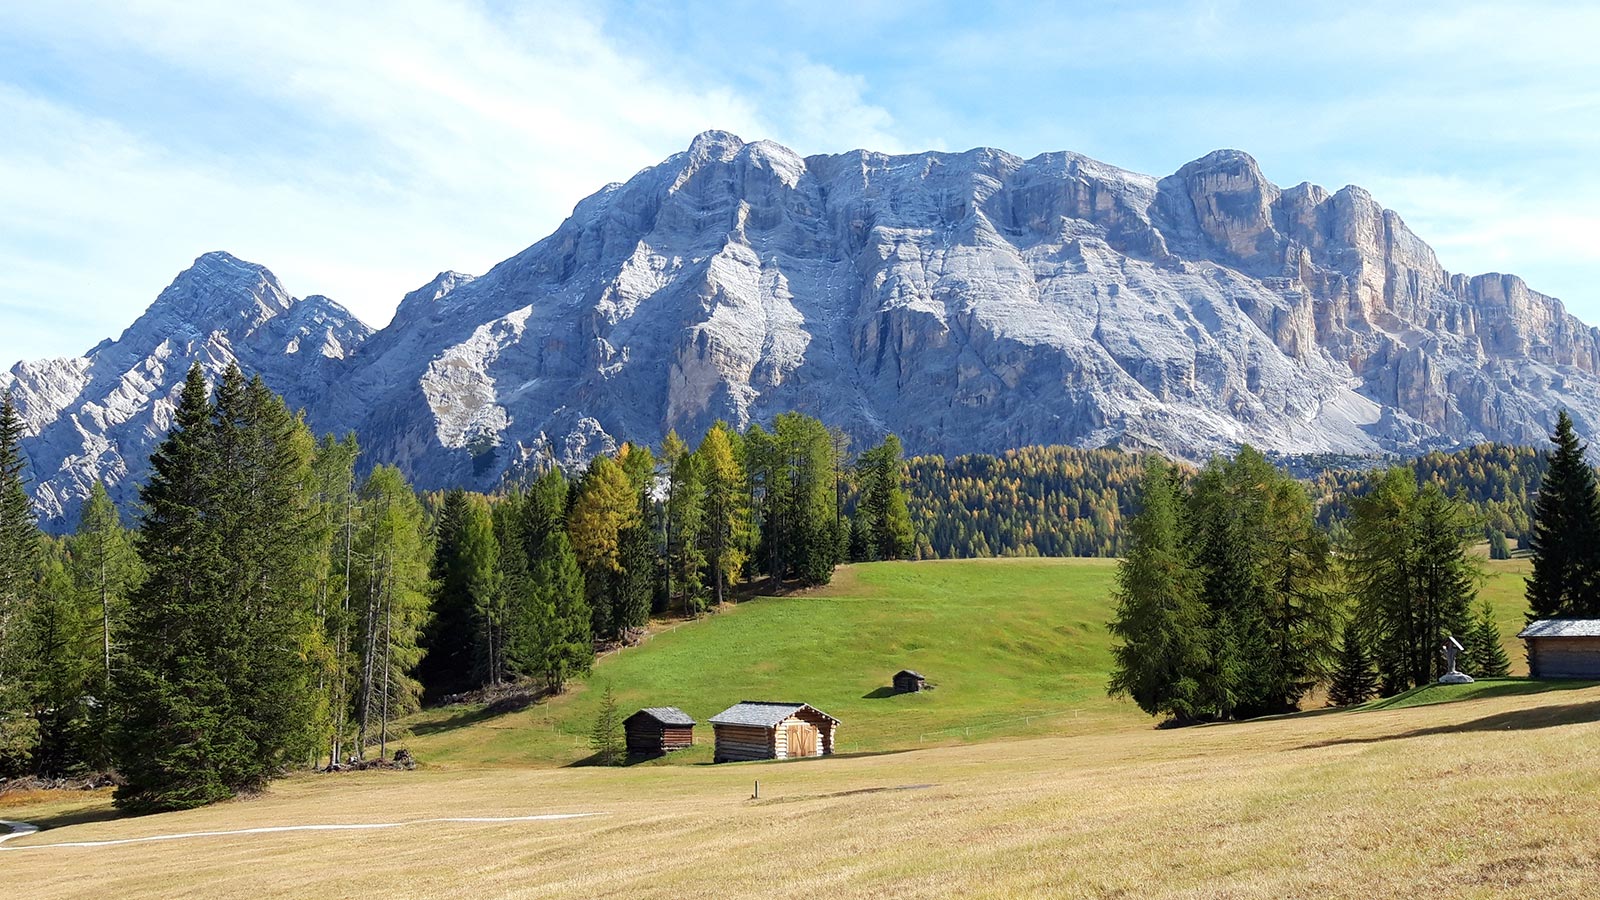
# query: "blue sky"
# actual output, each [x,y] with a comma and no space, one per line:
[358,150]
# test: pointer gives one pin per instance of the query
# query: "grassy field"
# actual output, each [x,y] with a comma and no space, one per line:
[1488,797]
[1014,646]
[1002,640]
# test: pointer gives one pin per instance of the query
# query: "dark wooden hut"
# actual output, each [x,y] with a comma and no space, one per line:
[761,729]
[1563,648]
[908,682]
[658,729]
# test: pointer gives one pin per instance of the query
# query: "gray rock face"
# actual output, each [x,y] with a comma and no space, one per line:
[100,415]
[969,302]
[966,301]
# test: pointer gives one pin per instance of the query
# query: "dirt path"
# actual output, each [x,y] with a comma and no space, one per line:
[22,828]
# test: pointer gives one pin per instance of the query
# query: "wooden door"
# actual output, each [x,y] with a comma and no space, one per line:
[802,739]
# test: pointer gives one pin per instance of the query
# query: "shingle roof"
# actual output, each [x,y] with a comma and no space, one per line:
[761,713]
[915,675]
[666,715]
[1562,628]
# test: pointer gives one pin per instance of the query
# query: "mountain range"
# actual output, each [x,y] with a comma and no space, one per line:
[968,302]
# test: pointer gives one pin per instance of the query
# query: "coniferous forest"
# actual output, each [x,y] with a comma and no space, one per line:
[274,604]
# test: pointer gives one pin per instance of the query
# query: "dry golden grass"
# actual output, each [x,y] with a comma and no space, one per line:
[1481,798]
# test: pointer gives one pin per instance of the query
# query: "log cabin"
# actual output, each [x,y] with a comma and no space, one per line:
[658,730]
[1563,648]
[761,729]
[908,682]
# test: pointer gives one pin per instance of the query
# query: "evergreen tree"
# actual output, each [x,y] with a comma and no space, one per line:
[390,595]
[607,737]
[179,741]
[727,514]
[105,570]
[1159,623]
[1486,656]
[883,509]
[564,648]
[685,518]
[464,596]
[1448,575]
[1565,582]
[1354,681]
[1499,547]
[19,555]
[334,501]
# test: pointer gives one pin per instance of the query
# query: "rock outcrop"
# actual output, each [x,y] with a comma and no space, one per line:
[967,301]
[99,416]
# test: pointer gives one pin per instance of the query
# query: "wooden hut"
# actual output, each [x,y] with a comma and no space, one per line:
[908,682]
[760,729]
[656,730]
[1563,648]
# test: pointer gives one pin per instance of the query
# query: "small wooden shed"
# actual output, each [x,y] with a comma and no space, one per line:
[908,682]
[763,729]
[1563,648]
[655,730]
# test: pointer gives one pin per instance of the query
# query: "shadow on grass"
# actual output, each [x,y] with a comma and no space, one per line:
[878,693]
[81,816]
[472,715]
[1514,720]
[1482,690]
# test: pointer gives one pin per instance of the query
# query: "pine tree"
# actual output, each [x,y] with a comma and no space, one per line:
[19,554]
[685,518]
[1354,681]
[334,499]
[565,648]
[1565,582]
[1159,622]
[1486,656]
[607,738]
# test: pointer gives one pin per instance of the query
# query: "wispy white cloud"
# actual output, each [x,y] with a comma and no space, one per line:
[367,148]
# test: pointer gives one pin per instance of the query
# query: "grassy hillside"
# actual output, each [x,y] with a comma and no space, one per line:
[1014,647]
[1481,798]
[1002,640]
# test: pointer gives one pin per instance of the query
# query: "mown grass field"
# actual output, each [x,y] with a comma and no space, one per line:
[1491,797]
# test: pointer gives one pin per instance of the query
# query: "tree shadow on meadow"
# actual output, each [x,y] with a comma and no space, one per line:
[1513,720]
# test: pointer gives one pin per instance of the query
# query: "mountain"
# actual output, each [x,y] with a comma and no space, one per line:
[969,301]
[99,416]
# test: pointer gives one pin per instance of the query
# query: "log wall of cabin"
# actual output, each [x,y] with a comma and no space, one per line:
[1573,657]
[744,742]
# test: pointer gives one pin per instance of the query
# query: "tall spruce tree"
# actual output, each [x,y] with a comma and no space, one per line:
[1354,681]
[883,508]
[19,554]
[464,595]
[1159,626]
[685,521]
[564,647]
[58,671]
[1486,656]
[334,499]
[1565,582]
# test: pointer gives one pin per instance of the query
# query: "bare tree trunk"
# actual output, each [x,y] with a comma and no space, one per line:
[388,620]
[366,674]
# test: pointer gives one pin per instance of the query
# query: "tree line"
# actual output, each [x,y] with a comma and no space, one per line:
[271,609]
[1237,597]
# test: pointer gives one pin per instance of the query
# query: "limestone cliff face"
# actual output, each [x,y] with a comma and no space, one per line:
[966,301]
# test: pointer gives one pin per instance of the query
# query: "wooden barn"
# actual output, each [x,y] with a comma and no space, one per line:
[656,730]
[908,682]
[760,729]
[1563,648]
